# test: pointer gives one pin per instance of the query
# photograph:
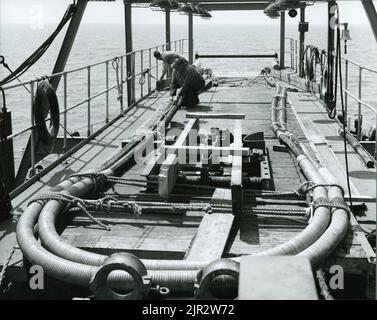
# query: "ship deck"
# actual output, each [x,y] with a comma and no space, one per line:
[197,235]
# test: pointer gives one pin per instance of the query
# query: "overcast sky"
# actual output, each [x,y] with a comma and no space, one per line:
[37,13]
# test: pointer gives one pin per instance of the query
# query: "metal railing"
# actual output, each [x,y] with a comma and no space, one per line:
[142,58]
[295,65]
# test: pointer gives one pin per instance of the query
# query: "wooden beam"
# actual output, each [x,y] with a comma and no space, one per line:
[211,238]
[200,115]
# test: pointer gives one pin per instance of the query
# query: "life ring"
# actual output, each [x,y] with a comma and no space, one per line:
[46,102]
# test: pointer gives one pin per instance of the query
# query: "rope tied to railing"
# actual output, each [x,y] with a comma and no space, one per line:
[115,65]
[71,202]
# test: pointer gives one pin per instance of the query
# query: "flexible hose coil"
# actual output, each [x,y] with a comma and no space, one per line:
[69,264]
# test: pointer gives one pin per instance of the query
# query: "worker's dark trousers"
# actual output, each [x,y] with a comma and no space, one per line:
[5,204]
[192,98]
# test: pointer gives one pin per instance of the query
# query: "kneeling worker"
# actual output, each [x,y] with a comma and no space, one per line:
[186,77]
[167,57]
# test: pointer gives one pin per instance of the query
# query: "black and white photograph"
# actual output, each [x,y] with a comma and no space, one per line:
[190,155]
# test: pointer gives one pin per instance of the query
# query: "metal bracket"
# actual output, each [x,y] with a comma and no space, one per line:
[125,262]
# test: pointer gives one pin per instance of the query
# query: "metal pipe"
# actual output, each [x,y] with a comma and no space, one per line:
[128,40]
[107,92]
[292,53]
[371,13]
[121,84]
[149,73]
[296,53]
[32,134]
[65,114]
[302,42]
[355,144]
[156,61]
[167,28]
[233,56]
[359,119]
[142,70]
[191,37]
[282,39]
[89,131]
[346,96]
[68,41]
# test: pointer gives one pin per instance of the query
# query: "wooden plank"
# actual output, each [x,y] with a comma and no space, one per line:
[236,174]
[211,238]
[312,133]
[200,115]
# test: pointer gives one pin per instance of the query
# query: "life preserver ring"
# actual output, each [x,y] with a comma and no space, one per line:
[46,102]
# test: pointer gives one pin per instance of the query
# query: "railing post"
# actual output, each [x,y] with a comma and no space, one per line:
[142,75]
[150,71]
[291,51]
[359,106]
[167,29]
[282,39]
[191,37]
[375,139]
[88,131]
[346,95]
[156,66]
[302,43]
[121,83]
[107,91]
[296,55]
[32,134]
[129,62]
[65,112]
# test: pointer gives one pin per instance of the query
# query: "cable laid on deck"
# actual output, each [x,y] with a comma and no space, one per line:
[70,264]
